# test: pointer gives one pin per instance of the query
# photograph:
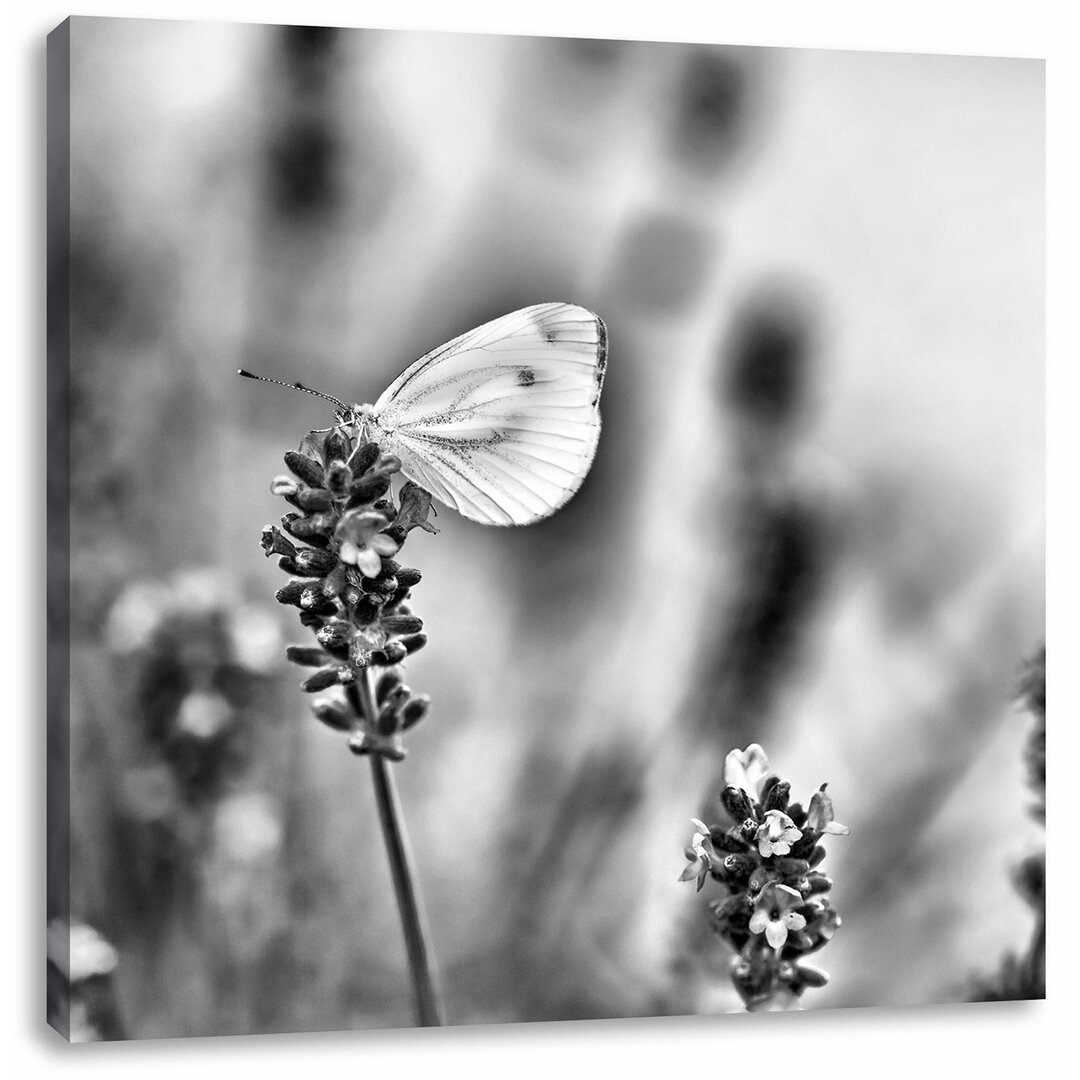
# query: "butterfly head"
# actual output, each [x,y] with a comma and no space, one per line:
[364,416]
[346,415]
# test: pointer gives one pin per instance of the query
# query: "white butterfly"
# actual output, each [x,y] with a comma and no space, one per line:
[502,423]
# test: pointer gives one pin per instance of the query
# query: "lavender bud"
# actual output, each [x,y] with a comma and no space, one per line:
[767,785]
[365,610]
[336,448]
[388,569]
[760,878]
[305,655]
[387,682]
[312,599]
[414,642]
[335,636]
[389,721]
[393,652]
[414,711]
[274,543]
[290,593]
[314,499]
[314,562]
[737,803]
[334,582]
[402,624]
[398,696]
[322,680]
[311,529]
[809,975]
[338,477]
[777,797]
[333,714]
[739,866]
[368,489]
[373,585]
[732,840]
[365,456]
[788,867]
[310,471]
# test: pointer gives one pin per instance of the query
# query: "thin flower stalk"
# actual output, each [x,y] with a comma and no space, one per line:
[338,545]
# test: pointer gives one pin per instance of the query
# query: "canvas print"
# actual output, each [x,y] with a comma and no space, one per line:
[539,529]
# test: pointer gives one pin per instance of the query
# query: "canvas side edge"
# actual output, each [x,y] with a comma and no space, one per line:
[58,524]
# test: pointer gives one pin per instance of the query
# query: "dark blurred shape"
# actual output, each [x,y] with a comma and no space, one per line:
[303,151]
[770,350]
[306,50]
[566,95]
[1023,977]
[782,515]
[788,550]
[663,262]
[711,109]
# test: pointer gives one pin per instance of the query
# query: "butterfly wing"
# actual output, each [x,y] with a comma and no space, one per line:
[502,422]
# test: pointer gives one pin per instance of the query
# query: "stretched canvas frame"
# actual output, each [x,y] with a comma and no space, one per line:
[712,548]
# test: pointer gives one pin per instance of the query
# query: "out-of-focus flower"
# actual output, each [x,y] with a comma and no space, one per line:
[775,915]
[81,999]
[136,615]
[242,876]
[91,954]
[203,715]
[820,815]
[363,543]
[256,638]
[747,769]
[79,951]
[197,658]
[776,834]
[247,827]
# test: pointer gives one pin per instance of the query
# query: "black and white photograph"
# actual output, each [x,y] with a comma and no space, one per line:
[540,528]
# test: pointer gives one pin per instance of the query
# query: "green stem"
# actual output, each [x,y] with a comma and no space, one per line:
[429,1009]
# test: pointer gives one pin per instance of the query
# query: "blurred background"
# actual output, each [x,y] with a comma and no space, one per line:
[815,520]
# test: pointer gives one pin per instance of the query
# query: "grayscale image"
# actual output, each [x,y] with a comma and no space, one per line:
[539,529]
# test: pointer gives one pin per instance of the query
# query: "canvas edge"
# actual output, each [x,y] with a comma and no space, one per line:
[58,526]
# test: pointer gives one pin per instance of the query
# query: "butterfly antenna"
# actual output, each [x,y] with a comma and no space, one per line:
[293,386]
